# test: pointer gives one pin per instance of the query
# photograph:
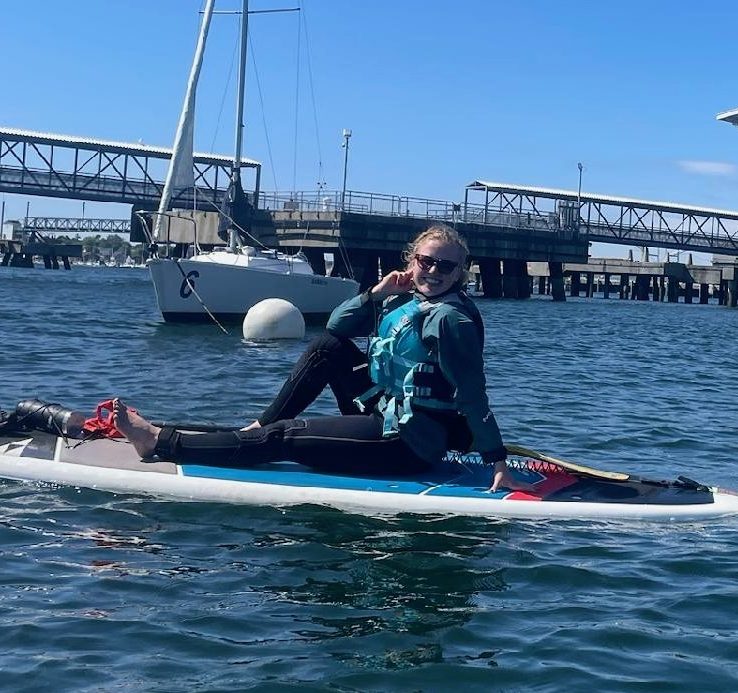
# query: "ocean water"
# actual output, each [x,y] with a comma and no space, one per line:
[106,592]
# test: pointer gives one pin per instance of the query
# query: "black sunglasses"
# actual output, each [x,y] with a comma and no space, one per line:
[426,263]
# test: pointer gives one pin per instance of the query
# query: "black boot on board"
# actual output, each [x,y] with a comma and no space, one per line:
[53,418]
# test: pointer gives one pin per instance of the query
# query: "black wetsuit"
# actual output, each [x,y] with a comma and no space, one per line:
[352,443]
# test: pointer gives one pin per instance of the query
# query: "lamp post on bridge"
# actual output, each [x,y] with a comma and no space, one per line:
[579,193]
[345,145]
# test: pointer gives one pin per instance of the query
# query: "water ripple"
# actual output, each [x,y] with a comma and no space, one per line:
[119,592]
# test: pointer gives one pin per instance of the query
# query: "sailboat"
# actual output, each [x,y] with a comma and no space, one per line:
[225,282]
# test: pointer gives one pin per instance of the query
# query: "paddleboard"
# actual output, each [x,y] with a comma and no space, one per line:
[458,486]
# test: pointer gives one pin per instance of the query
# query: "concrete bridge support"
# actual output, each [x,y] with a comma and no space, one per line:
[365,265]
[390,260]
[732,293]
[316,260]
[489,269]
[624,281]
[525,283]
[20,260]
[720,290]
[576,284]
[515,280]
[556,274]
[366,268]
[655,289]
[510,276]
[590,285]
[672,290]
[607,286]
[52,262]
[642,287]
[704,293]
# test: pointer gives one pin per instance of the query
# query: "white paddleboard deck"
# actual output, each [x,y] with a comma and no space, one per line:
[454,488]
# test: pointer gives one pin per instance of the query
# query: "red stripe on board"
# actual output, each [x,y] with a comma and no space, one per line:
[543,489]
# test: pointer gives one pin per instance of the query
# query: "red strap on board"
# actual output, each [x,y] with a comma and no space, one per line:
[102,423]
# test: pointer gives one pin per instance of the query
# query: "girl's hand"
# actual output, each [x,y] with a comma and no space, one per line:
[499,475]
[393,284]
[502,477]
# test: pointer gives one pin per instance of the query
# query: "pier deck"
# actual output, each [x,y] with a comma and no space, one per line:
[659,281]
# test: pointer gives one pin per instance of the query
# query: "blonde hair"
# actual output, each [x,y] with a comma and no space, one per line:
[440,232]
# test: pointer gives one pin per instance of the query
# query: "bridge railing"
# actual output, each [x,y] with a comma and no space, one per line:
[403,206]
[360,203]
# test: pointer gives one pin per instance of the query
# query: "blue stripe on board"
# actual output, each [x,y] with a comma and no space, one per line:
[287,477]
[473,483]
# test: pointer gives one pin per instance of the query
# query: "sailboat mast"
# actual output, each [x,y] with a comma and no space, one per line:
[180,171]
[236,167]
[241,88]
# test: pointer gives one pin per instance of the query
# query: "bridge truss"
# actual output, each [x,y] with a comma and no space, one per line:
[69,225]
[605,219]
[33,163]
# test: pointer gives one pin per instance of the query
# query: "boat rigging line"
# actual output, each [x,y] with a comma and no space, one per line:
[321,177]
[192,288]
[297,107]
[223,100]
[263,116]
[142,217]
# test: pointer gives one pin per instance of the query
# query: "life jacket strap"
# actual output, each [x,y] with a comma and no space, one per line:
[361,400]
[390,410]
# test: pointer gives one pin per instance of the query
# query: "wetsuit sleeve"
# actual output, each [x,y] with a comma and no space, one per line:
[455,340]
[355,317]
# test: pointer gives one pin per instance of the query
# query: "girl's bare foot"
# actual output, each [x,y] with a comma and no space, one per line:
[251,426]
[140,433]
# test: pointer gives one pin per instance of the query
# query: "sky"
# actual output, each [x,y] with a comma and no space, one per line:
[436,93]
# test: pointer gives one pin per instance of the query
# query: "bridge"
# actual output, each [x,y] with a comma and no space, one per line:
[80,168]
[34,163]
[506,226]
[603,219]
[618,220]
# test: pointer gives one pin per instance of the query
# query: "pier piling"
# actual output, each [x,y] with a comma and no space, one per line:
[489,269]
[556,274]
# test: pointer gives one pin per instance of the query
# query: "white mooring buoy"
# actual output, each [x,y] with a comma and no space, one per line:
[273,318]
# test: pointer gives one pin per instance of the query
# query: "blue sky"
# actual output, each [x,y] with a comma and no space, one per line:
[437,94]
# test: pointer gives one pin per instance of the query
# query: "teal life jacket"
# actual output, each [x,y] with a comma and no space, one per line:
[403,369]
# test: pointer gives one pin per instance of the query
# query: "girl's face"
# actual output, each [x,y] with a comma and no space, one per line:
[436,266]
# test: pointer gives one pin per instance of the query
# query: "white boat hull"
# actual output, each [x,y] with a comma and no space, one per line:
[229,290]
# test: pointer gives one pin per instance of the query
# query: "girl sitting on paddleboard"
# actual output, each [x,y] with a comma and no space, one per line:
[418,392]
